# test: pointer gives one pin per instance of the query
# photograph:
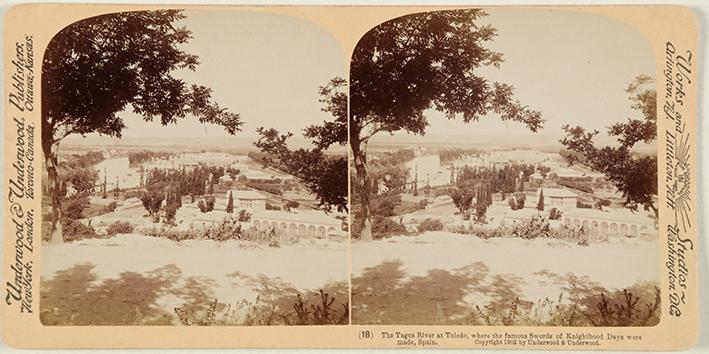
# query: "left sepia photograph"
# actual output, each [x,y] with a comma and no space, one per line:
[195,171]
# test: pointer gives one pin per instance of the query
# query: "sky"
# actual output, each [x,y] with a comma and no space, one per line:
[265,67]
[573,67]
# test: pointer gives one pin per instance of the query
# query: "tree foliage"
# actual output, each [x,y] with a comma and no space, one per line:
[414,63]
[322,173]
[463,200]
[96,69]
[634,175]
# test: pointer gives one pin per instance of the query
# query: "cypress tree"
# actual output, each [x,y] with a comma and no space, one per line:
[540,204]
[230,204]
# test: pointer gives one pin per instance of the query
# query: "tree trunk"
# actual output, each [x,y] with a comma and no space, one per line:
[655,211]
[53,186]
[363,188]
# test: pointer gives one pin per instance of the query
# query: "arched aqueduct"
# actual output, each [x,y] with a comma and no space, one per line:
[301,229]
[602,229]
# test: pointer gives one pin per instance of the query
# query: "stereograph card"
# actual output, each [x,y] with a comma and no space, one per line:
[490,177]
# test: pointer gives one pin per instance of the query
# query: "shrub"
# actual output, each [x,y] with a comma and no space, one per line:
[574,233]
[480,211]
[111,207]
[170,212]
[430,225]
[207,204]
[228,228]
[119,227]
[172,234]
[582,205]
[244,216]
[479,231]
[512,202]
[75,230]
[272,207]
[272,188]
[385,203]
[637,306]
[602,203]
[385,226]
[537,226]
[521,197]
[267,237]
[152,201]
[554,214]
[75,207]
[422,204]
[291,204]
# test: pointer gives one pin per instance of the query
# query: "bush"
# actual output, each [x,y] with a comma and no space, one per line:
[76,230]
[244,216]
[267,237]
[272,188]
[512,203]
[228,228]
[482,232]
[531,229]
[119,227]
[430,225]
[385,226]
[536,227]
[172,234]
[422,204]
[111,207]
[582,205]
[602,203]
[291,204]
[207,204]
[554,214]
[272,207]
[75,206]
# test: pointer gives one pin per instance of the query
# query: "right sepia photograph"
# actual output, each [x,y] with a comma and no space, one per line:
[503,171]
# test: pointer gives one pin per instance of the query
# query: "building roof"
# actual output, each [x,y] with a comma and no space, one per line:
[557,192]
[245,194]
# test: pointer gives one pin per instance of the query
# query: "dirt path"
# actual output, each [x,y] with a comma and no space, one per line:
[133,279]
[439,277]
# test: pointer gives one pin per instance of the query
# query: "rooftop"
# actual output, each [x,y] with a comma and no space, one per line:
[245,194]
[557,192]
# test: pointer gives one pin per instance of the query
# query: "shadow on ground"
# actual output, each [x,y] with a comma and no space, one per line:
[384,294]
[72,298]
[381,295]
[75,296]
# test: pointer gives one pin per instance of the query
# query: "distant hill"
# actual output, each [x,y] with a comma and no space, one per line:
[548,142]
[241,144]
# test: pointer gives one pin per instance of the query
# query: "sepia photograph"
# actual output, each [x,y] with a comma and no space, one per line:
[352,177]
[503,171]
[194,171]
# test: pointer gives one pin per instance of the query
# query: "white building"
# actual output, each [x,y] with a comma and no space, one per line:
[247,199]
[559,198]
